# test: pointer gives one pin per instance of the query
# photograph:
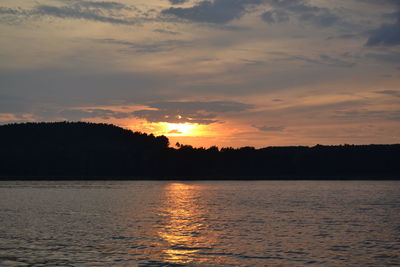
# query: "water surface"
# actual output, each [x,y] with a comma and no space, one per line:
[213,223]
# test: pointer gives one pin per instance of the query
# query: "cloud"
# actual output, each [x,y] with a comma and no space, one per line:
[275,16]
[77,114]
[386,35]
[14,104]
[218,11]
[285,3]
[389,92]
[328,60]
[12,11]
[29,90]
[321,60]
[344,36]
[189,112]
[177,2]
[76,12]
[214,106]
[367,115]
[161,46]
[174,117]
[269,128]
[381,2]
[392,57]
[102,5]
[166,31]
[51,113]
[13,16]
[109,12]
[283,9]
[175,132]
[393,116]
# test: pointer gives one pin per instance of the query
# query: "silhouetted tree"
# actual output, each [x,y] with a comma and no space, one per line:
[88,150]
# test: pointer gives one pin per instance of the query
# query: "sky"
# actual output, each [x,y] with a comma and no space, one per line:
[207,72]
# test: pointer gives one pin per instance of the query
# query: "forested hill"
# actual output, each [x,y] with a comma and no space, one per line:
[78,150]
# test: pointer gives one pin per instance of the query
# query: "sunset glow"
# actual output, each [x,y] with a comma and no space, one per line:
[185,129]
[173,129]
[225,73]
[199,132]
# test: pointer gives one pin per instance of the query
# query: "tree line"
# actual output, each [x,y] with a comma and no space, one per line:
[81,150]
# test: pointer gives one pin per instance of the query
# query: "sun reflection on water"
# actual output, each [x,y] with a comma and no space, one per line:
[185,223]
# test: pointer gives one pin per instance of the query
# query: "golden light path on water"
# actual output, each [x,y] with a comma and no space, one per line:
[185,224]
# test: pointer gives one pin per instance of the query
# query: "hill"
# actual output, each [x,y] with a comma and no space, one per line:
[80,150]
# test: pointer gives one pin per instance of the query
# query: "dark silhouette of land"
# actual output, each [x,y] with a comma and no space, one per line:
[79,150]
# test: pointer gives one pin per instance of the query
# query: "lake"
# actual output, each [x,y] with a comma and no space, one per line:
[210,223]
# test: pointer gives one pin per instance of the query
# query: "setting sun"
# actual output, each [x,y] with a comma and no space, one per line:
[175,129]
[180,128]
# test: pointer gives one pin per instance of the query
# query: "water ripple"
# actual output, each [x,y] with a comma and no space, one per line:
[291,223]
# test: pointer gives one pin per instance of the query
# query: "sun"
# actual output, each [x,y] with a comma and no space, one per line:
[184,129]
[180,129]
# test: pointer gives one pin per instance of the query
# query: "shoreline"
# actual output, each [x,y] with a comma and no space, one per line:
[228,178]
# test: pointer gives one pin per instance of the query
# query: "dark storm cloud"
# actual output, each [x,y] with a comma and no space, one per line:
[284,9]
[109,12]
[217,11]
[161,46]
[193,112]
